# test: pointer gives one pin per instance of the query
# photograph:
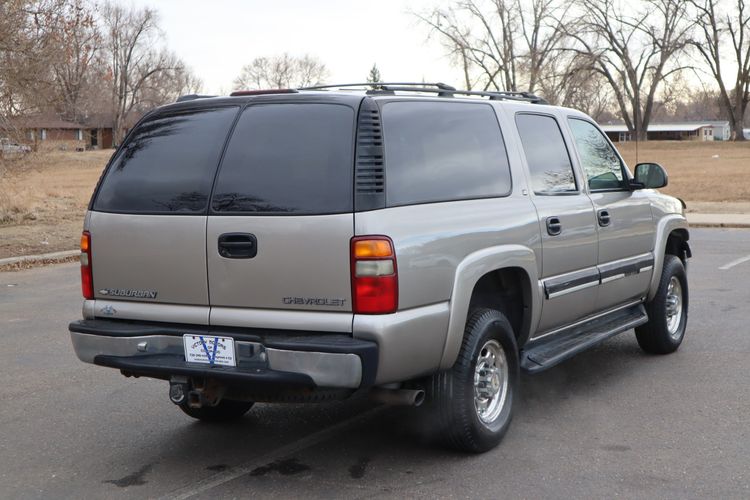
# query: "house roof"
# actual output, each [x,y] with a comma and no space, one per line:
[99,120]
[42,121]
[661,127]
[50,121]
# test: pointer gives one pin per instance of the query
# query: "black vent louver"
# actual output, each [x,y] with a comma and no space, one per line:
[369,172]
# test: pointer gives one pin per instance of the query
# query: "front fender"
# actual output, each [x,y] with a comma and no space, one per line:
[664,228]
[468,272]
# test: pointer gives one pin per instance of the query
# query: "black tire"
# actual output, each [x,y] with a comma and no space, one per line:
[225,411]
[655,336]
[451,394]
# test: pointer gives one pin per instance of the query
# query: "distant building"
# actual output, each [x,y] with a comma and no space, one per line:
[722,131]
[702,131]
[50,132]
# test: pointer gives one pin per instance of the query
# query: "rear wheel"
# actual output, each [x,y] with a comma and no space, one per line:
[667,311]
[472,402]
[226,410]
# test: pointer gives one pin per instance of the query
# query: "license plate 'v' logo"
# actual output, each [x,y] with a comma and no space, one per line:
[210,355]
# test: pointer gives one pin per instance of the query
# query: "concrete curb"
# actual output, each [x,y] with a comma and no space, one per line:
[718,220]
[725,225]
[44,256]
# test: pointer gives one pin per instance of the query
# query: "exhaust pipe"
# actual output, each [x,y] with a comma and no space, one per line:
[398,397]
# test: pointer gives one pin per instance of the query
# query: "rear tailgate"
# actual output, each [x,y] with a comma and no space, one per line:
[148,218]
[281,219]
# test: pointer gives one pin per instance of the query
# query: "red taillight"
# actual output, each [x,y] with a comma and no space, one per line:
[374,275]
[87,277]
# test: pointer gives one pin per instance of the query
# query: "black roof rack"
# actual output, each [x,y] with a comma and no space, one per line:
[441,89]
[190,97]
[381,87]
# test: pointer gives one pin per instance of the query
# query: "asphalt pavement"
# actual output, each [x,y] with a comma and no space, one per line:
[611,422]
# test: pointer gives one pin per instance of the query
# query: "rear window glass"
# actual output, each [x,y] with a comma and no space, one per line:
[443,151]
[167,164]
[288,159]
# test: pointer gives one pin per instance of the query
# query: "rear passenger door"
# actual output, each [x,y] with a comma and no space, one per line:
[567,223]
[624,221]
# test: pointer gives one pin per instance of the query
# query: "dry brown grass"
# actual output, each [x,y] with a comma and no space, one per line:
[43,196]
[714,176]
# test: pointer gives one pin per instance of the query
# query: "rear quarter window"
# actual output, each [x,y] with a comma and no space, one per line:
[167,164]
[443,152]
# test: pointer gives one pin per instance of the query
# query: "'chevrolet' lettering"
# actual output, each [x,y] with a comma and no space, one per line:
[312,301]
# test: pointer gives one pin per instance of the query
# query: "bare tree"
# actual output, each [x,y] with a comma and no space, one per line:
[77,40]
[166,86]
[635,48]
[500,44]
[26,48]
[568,80]
[284,71]
[714,27]
[131,44]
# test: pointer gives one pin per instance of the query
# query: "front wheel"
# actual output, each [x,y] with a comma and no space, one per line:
[667,311]
[472,402]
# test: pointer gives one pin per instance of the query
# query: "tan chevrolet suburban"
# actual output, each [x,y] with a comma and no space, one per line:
[413,241]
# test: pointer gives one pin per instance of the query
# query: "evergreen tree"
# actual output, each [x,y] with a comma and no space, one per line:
[374,75]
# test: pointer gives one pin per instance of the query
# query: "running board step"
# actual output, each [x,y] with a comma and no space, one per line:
[546,353]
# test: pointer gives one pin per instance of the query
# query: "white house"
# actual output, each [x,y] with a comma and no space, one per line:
[703,131]
[722,132]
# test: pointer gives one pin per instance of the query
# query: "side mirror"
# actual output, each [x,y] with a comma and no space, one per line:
[649,176]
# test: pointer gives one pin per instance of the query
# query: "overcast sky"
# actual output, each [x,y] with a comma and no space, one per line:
[216,38]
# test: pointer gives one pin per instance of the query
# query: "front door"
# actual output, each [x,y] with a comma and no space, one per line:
[624,221]
[567,224]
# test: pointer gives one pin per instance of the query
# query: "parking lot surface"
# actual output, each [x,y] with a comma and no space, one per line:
[612,421]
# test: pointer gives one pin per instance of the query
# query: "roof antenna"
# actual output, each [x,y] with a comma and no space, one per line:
[636,141]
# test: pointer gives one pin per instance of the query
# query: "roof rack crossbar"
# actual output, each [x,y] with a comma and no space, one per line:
[494,96]
[441,89]
[439,85]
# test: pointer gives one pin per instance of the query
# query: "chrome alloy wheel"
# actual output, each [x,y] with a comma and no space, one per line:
[674,308]
[490,382]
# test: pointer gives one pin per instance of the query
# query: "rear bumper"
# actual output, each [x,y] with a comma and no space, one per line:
[264,358]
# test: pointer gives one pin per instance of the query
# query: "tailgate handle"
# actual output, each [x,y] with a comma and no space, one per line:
[238,245]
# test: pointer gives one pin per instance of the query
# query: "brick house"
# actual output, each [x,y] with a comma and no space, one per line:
[49,132]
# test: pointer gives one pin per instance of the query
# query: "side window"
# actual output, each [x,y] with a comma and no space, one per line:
[598,159]
[546,154]
[438,151]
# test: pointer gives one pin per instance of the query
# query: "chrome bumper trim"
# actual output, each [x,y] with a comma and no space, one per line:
[326,369]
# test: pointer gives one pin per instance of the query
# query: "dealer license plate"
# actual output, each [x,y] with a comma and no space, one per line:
[209,350]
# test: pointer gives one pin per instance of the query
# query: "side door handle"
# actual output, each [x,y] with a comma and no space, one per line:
[603,217]
[554,226]
[238,245]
